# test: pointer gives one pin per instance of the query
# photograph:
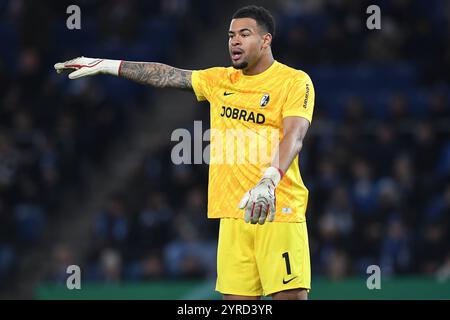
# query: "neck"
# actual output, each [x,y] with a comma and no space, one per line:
[262,65]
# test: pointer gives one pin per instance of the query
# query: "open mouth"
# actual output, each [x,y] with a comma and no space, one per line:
[236,54]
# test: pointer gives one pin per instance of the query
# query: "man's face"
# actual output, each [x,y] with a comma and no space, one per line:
[246,42]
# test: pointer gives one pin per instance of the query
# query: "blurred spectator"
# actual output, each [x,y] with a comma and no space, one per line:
[338,265]
[363,188]
[192,252]
[438,107]
[439,207]
[387,146]
[443,273]
[425,154]
[9,161]
[8,238]
[396,255]
[108,268]
[405,177]
[338,215]
[62,257]
[154,223]
[432,247]
[398,113]
[151,267]
[112,226]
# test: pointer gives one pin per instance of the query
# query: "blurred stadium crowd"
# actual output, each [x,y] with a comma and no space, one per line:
[54,133]
[376,159]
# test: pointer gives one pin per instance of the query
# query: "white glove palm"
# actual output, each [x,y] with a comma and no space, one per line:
[88,67]
[261,200]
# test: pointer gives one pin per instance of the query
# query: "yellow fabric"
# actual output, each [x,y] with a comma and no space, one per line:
[252,259]
[246,127]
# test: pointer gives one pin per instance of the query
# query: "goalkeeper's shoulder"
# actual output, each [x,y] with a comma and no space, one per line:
[213,75]
[214,71]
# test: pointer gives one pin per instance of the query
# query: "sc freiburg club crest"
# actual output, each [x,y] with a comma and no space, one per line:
[264,100]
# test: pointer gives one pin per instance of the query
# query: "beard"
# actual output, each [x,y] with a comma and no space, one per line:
[240,66]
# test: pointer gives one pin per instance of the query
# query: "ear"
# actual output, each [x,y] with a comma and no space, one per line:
[267,40]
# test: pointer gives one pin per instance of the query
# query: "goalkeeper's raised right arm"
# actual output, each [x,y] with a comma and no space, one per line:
[150,73]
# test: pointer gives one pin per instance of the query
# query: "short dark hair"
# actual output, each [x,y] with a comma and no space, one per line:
[262,16]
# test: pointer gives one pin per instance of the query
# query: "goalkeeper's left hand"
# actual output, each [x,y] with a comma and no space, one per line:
[83,66]
[261,200]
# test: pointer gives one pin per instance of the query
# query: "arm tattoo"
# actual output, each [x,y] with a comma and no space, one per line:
[156,75]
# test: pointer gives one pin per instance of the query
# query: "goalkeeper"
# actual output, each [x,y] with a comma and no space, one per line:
[263,242]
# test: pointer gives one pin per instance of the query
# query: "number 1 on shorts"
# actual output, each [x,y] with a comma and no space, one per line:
[288,264]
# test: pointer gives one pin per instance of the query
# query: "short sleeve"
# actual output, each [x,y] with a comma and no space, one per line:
[203,81]
[300,99]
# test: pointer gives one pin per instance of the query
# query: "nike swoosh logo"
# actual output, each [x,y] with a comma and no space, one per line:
[227,93]
[285,282]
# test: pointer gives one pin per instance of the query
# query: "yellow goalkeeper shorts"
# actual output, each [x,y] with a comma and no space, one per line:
[258,260]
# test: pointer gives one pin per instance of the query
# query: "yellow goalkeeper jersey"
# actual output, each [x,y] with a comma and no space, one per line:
[246,127]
